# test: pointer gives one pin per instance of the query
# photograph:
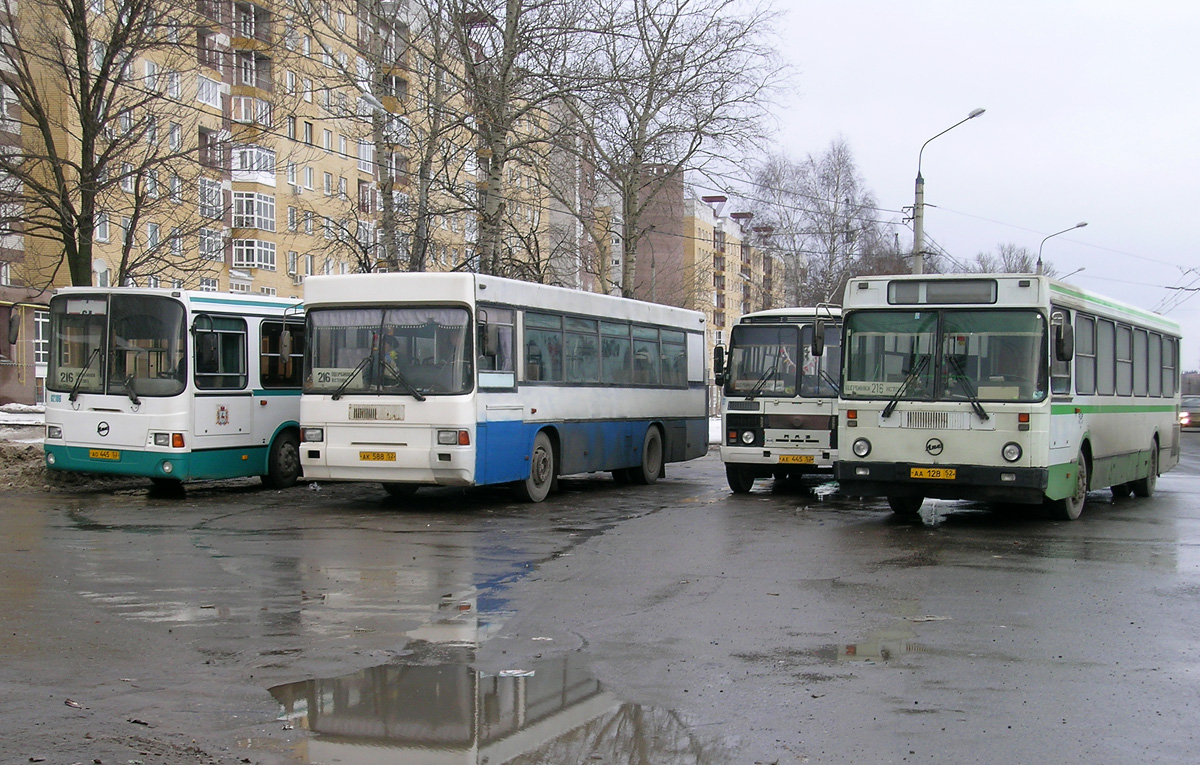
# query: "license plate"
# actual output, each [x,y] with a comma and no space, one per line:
[797,459]
[377,456]
[944,474]
[104,454]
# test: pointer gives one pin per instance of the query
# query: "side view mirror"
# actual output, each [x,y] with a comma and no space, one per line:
[14,327]
[1064,342]
[818,341]
[719,364]
[285,344]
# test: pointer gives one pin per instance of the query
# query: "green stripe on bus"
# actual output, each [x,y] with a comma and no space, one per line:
[1123,307]
[1110,408]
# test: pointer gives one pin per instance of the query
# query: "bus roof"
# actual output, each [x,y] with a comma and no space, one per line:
[791,314]
[470,288]
[231,301]
[997,290]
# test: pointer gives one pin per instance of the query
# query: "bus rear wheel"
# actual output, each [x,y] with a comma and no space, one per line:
[1069,508]
[741,480]
[283,462]
[906,506]
[652,459]
[537,486]
[1144,487]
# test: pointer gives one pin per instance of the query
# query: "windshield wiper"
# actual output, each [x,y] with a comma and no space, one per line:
[79,380]
[832,382]
[913,374]
[346,383]
[401,379]
[762,381]
[968,387]
[133,396]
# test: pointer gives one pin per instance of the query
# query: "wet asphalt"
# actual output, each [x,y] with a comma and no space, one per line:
[676,623]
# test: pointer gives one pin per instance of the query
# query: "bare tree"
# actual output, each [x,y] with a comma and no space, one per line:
[1007,259]
[107,140]
[824,223]
[665,87]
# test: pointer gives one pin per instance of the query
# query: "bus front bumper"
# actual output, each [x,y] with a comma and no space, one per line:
[971,482]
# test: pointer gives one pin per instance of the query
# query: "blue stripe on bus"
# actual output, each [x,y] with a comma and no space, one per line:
[503,448]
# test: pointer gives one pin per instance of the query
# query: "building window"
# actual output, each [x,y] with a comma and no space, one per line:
[41,337]
[253,210]
[328,184]
[253,253]
[239,287]
[266,290]
[101,230]
[208,284]
[210,198]
[212,244]
[208,92]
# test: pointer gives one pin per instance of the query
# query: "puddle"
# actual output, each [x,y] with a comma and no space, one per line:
[440,709]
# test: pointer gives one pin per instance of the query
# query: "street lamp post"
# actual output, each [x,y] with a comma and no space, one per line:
[1080,224]
[919,201]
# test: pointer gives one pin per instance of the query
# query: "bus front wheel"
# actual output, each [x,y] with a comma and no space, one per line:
[652,459]
[537,486]
[741,480]
[400,490]
[1069,508]
[906,506]
[283,462]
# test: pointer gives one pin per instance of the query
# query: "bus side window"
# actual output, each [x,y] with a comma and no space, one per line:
[280,366]
[220,352]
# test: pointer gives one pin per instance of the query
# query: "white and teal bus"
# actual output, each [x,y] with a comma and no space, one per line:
[778,378]
[1004,388]
[174,385]
[459,379]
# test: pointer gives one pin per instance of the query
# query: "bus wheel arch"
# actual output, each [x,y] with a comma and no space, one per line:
[1144,487]
[283,459]
[543,468]
[653,457]
[1069,508]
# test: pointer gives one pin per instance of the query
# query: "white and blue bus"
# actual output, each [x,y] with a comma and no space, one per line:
[174,385]
[453,379]
[778,378]
[1004,388]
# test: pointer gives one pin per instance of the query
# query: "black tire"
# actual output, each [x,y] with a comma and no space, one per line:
[652,459]
[1121,490]
[166,487]
[283,462]
[537,486]
[1069,508]
[621,476]
[400,490]
[1144,487]
[906,506]
[741,480]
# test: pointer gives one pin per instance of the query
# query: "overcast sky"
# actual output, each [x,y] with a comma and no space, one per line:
[1092,115]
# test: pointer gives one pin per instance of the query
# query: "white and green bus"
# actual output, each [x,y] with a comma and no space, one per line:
[1002,388]
[174,385]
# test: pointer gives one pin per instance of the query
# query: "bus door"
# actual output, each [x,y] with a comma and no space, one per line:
[224,404]
[280,353]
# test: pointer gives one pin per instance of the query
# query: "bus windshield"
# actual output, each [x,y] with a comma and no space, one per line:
[777,361]
[131,345]
[946,355]
[411,351]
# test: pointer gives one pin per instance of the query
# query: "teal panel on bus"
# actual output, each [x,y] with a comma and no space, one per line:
[216,463]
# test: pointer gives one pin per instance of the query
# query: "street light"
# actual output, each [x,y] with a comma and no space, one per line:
[1077,270]
[1080,224]
[919,202]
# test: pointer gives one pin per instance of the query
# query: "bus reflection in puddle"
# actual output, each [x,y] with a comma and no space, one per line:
[549,710]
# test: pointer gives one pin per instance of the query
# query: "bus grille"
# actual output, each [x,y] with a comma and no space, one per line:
[937,420]
[376,412]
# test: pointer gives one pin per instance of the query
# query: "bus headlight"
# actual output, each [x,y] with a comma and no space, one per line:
[162,439]
[312,435]
[747,437]
[861,447]
[53,431]
[454,438]
[1011,451]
